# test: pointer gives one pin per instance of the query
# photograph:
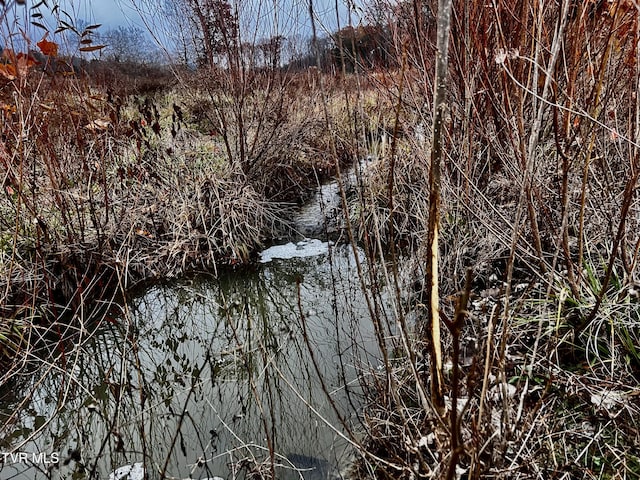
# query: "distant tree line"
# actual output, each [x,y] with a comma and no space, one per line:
[128,45]
[215,38]
[207,35]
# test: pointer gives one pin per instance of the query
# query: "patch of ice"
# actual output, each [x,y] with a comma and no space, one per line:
[610,401]
[306,248]
[128,472]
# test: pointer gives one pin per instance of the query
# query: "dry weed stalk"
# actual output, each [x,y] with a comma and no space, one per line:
[432,281]
[524,201]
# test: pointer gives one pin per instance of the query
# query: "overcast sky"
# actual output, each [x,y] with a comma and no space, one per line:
[291,16]
[110,13]
[113,13]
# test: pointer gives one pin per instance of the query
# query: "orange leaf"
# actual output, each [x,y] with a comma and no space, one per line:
[7,109]
[13,66]
[8,71]
[48,48]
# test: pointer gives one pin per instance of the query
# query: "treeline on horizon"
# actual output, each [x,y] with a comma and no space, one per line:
[366,46]
[215,36]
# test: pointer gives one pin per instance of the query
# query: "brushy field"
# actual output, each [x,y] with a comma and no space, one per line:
[539,222]
[110,180]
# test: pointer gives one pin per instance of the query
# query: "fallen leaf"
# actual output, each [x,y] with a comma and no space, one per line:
[14,65]
[8,109]
[8,71]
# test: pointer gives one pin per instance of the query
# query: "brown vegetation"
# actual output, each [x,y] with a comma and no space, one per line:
[119,175]
[538,220]
[539,199]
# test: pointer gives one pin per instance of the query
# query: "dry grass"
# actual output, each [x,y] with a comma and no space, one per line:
[539,189]
[272,128]
[104,191]
[539,201]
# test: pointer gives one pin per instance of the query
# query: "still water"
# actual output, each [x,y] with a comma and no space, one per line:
[250,373]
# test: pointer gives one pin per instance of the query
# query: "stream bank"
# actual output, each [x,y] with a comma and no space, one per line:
[251,371]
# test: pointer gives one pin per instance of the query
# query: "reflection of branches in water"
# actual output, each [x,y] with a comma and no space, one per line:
[358,346]
[210,376]
[59,353]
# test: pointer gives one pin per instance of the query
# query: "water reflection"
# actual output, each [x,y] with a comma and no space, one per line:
[206,377]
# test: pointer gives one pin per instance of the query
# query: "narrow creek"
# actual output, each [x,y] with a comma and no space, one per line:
[249,372]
